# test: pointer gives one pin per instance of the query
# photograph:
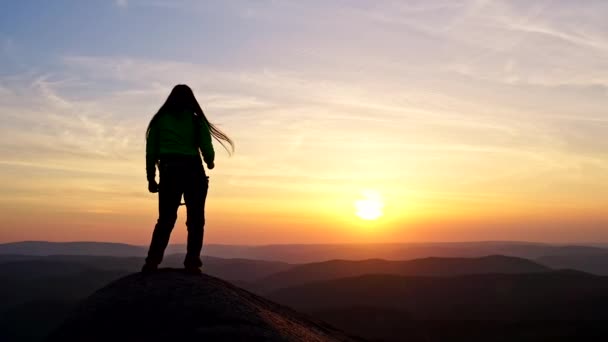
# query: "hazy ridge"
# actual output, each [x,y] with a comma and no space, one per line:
[307,253]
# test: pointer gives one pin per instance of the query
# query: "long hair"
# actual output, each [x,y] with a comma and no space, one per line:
[182,99]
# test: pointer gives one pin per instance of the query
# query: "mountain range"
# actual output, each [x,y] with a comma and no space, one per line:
[298,254]
[491,297]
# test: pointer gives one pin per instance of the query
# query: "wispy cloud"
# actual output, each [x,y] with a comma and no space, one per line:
[286,108]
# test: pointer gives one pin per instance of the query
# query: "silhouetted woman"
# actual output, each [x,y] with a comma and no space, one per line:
[176,136]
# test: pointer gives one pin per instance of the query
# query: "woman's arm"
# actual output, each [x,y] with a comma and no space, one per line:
[151,153]
[206,145]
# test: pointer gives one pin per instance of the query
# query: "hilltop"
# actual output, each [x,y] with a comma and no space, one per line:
[171,305]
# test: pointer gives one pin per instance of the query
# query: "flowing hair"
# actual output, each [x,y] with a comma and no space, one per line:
[182,99]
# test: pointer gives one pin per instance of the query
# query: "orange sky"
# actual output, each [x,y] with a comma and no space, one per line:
[473,120]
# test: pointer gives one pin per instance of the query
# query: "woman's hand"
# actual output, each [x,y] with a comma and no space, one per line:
[153,186]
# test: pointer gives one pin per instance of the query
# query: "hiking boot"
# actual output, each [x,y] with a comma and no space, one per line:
[149,268]
[193,270]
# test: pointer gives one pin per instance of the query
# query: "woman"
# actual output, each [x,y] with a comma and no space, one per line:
[176,136]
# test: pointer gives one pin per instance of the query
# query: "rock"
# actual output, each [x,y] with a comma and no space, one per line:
[170,305]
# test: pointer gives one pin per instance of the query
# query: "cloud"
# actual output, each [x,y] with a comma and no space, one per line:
[285,104]
[298,116]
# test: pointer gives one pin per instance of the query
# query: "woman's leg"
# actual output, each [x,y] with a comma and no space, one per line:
[195,195]
[169,198]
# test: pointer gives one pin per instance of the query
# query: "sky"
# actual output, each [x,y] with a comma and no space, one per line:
[465,120]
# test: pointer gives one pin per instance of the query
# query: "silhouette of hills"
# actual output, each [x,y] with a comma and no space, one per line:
[59,277]
[549,306]
[232,269]
[173,306]
[443,267]
[38,248]
[565,295]
[429,299]
[316,252]
[591,263]
[74,277]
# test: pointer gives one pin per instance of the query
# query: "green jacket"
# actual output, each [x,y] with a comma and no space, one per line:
[175,134]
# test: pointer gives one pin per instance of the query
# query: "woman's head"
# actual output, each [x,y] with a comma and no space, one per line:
[182,99]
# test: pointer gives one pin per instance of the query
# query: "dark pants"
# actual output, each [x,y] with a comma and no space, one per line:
[180,175]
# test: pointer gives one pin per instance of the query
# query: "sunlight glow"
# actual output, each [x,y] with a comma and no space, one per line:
[370,206]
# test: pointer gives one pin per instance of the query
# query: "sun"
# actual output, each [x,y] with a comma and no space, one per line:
[370,206]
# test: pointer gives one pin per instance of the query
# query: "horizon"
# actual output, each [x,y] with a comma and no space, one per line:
[355,122]
[522,242]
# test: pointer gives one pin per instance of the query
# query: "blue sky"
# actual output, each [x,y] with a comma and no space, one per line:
[43,32]
[460,114]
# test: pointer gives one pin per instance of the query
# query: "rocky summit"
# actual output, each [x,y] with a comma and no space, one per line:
[170,305]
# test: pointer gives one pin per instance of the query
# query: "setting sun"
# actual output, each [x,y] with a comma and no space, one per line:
[370,206]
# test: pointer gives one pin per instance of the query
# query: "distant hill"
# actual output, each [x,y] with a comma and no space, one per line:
[60,277]
[315,252]
[39,266]
[298,254]
[549,306]
[173,306]
[564,295]
[428,299]
[591,263]
[71,248]
[443,267]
